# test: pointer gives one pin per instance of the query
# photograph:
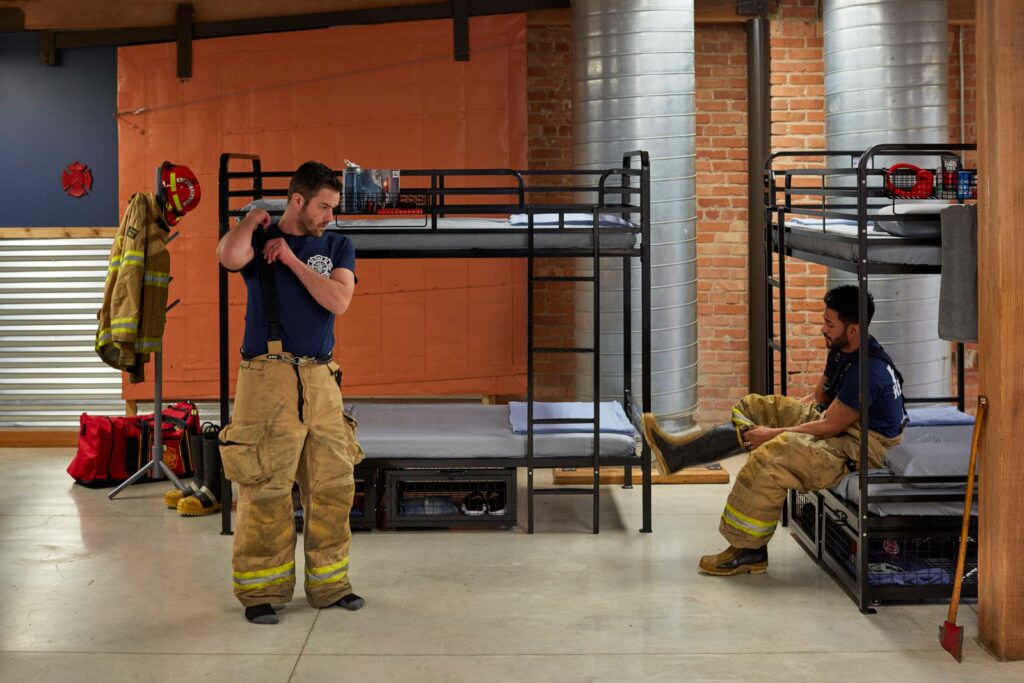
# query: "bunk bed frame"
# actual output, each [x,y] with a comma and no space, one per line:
[839,533]
[471,195]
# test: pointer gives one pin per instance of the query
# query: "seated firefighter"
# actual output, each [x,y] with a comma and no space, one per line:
[806,444]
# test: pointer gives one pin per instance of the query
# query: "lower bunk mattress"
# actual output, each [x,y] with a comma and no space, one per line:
[927,450]
[467,430]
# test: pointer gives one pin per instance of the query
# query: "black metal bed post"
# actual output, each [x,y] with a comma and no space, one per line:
[783,341]
[224,183]
[863,360]
[222,335]
[645,335]
[961,390]
[627,351]
[627,327]
[597,364]
[529,373]
[772,283]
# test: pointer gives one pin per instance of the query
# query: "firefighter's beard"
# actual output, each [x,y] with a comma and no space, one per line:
[309,225]
[838,343]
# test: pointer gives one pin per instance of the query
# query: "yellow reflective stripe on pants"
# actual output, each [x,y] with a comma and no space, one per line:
[330,574]
[264,577]
[746,524]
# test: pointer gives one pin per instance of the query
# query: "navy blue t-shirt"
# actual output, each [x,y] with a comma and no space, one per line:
[842,373]
[307,328]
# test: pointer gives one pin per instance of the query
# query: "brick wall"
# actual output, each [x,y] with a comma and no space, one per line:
[549,134]
[722,300]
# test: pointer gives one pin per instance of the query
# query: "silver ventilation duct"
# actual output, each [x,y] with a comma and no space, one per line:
[886,80]
[634,88]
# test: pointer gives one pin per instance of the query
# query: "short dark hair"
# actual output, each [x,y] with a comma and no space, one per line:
[845,301]
[312,177]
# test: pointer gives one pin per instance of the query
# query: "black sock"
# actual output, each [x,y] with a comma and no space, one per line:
[351,602]
[261,614]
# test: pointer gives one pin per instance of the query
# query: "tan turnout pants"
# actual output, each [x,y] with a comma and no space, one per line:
[789,461]
[289,426]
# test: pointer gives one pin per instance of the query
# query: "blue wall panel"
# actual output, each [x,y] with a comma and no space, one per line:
[52,116]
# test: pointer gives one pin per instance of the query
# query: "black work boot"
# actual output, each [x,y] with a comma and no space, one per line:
[734,561]
[195,447]
[207,499]
[673,453]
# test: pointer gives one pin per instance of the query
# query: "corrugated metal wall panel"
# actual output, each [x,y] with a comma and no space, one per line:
[50,290]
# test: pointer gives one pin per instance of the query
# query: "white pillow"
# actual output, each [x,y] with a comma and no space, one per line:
[920,219]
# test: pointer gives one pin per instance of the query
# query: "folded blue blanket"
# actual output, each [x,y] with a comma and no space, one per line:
[613,417]
[945,415]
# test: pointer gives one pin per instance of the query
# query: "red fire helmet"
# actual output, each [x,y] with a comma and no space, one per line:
[178,191]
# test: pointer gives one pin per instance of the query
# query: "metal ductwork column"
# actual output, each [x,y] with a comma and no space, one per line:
[886,80]
[634,88]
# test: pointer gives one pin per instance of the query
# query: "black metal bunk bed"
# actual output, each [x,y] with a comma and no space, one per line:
[465,213]
[855,527]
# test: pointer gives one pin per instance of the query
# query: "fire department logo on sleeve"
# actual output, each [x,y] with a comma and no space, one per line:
[321,264]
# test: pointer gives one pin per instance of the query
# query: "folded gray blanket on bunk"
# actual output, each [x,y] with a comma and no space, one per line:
[936,443]
[469,430]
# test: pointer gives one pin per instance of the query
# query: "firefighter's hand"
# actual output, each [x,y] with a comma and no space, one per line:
[257,218]
[278,250]
[755,436]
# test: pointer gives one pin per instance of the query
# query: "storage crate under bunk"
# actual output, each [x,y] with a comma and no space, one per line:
[905,562]
[483,497]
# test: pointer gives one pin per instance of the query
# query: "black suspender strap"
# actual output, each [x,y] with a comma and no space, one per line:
[268,283]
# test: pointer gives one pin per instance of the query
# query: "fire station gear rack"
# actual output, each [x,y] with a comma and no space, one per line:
[622,192]
[156,461]
[839,533]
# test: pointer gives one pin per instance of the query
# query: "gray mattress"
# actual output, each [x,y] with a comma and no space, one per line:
[882,247]
[414,233]
[475,234]
[465,430]
[849,487]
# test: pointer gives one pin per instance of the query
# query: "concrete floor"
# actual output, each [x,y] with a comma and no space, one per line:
[98,590]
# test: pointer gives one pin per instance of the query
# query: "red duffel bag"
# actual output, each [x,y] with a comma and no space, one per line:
[111,449]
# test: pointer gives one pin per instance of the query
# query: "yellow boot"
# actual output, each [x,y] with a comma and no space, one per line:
[172,497]
[200,503]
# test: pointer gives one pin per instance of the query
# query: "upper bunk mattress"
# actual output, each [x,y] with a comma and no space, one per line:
[466,430]
[839,240]
[481,234]
[415,233]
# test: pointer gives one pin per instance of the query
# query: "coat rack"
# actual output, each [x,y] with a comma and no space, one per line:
[156,466]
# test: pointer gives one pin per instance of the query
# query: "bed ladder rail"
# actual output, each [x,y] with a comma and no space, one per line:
[532,349]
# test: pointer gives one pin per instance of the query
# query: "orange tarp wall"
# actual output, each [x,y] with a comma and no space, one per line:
[386,96]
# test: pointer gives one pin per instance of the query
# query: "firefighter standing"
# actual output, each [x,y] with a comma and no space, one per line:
[805,444]
[288,423]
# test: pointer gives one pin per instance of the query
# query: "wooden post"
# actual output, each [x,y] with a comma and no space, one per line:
[1000,58]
